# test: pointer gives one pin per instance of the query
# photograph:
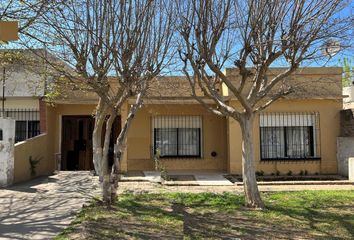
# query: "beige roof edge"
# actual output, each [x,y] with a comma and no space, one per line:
[77,102]
[171,100]
[296,98]
[182,100]
[304,70]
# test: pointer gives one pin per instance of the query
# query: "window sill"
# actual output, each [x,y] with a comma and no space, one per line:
[290,159]
[181,157]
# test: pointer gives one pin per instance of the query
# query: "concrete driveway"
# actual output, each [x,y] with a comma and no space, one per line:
[43,207]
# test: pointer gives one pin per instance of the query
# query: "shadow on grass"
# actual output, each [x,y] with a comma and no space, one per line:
[335,222]
[216,216]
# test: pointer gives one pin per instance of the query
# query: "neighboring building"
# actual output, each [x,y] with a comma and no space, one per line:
[296,133]
[24,86]
[348,101]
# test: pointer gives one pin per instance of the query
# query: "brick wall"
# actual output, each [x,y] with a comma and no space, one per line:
[347,123]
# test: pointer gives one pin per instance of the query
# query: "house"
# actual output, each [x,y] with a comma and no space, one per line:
[24,77]
[296,133]
[22,90]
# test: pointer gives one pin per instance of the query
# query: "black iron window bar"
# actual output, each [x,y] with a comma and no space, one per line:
[27,122]
[177,136]
[290,136]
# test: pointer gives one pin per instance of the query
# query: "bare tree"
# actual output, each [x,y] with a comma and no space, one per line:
[26,12]
[253,35]
[129,40]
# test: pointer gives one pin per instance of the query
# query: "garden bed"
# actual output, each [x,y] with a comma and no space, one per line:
[282,178]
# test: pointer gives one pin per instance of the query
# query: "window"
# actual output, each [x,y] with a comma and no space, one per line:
[33,129]
[177,136]
[27,123]
[26,129]
[289,136]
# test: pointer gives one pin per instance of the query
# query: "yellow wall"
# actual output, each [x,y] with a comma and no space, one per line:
[329,131]
[34,147]
[52,124]
[139,142]
[219,134]
[41,146]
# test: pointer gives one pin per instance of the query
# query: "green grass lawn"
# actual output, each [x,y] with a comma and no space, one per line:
[289,215]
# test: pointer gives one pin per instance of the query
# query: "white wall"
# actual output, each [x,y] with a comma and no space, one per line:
[22,81]
[345,150]
[7,152]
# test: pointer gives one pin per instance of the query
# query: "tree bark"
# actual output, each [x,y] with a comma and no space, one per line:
[252,195]
[97,138]
[104,163]
[120,147]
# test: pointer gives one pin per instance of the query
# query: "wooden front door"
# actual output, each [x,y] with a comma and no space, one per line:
[76,146]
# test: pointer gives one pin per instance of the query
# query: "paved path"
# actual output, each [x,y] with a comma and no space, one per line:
[142,187]
[202,178]
[43,207]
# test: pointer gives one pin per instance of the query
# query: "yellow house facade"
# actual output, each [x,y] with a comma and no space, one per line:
[296,133]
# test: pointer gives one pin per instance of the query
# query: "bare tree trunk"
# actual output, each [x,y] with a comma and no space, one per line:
[97,138]
[104,163]
[253,198]
[120,147]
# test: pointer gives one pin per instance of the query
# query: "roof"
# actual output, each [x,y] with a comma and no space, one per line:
[309,83]
[170,87]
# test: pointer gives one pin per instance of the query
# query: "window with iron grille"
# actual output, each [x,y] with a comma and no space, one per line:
[177,136]
[27,123]
[289,136]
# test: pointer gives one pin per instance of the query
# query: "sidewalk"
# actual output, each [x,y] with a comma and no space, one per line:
[142,187]
[43,207]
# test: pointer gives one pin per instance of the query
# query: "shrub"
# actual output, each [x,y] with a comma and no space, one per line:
[290,173]
[33,165]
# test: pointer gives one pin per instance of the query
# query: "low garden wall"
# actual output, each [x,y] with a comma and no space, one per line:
[31,158]
[345,150]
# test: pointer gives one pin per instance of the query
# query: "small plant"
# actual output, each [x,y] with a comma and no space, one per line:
[159,166]
[316,173]
[33,165]
[272,174]
[259,173]
[306,172]
[277,173]
[290,173]
[301,173]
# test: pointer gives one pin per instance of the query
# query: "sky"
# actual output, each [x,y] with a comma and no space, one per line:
[334,61]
